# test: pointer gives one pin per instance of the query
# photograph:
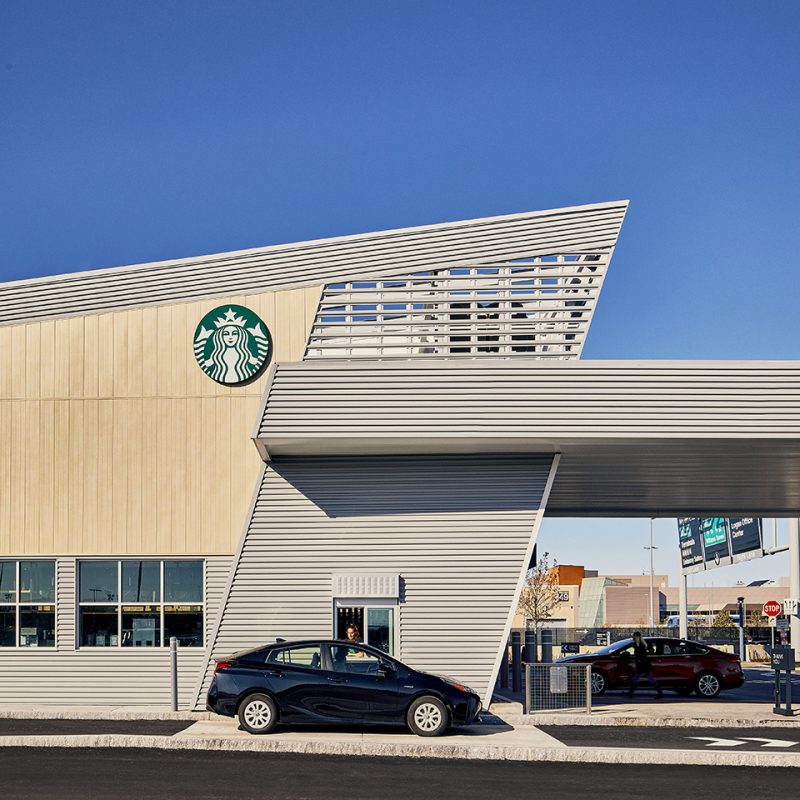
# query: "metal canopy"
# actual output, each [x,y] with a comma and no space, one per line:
[636,438]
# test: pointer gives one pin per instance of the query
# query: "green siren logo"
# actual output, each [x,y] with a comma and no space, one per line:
[232,345]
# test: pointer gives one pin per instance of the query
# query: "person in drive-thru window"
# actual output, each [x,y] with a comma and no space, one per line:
[643,668]
[354,635]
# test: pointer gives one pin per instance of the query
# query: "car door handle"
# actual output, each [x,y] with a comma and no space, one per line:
[333,679]
[275,673]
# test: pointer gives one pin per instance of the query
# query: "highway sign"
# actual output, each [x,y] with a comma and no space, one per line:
[772,608]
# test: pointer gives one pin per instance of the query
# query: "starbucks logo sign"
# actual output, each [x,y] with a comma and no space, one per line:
[232,345]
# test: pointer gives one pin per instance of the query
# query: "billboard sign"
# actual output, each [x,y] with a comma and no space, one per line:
[691,545]
[708,542]
[714,531]
[746,538]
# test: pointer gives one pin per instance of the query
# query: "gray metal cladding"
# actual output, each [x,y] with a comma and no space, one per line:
[636,438]
[456,530]
[590,228]
[530,398]
[65,675]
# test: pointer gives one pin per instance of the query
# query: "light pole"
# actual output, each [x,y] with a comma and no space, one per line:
[651,548]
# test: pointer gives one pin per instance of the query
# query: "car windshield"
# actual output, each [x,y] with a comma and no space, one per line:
[613,648]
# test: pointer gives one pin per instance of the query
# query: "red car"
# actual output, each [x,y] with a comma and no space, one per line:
[678,664]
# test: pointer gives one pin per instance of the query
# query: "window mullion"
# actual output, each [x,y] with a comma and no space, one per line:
[119,603]
[161,607]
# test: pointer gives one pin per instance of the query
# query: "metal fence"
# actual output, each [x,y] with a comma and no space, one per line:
[599,637]
[552,687]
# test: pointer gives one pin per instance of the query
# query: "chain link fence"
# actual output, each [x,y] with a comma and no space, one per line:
[553,687]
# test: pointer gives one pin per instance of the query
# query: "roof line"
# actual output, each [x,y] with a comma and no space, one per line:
[288,246]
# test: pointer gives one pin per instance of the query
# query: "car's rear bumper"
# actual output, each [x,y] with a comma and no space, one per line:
[220,703]
[732,681]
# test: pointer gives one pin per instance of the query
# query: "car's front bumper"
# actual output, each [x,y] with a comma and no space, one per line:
[467,711]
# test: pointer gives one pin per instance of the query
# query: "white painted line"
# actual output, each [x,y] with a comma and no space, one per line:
[770,742]
[714,741]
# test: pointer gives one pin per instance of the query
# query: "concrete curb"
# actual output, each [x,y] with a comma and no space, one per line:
[51,713]
[593,755]
[655,722]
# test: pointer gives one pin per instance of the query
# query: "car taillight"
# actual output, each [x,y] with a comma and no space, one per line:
[222,665]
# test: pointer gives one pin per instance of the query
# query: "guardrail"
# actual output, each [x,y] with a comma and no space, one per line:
[554,687]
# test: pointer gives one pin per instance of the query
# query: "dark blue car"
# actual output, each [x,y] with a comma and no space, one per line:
[335,682]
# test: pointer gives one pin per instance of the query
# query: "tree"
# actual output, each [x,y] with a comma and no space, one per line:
[723,620]
[539,595]
[755,619]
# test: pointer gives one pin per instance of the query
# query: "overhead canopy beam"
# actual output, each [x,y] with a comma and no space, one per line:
[637,438]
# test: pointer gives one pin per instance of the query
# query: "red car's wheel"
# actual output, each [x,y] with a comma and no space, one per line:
[599,682]
[708,685]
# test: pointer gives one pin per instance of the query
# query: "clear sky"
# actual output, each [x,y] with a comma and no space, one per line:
[148,130]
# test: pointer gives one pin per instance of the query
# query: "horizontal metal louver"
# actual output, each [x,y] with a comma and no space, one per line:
[539,306]
[366,584]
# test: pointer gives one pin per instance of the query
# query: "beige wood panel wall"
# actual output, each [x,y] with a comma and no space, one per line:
[113,440]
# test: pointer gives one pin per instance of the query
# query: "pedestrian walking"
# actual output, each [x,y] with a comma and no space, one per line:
[643,668]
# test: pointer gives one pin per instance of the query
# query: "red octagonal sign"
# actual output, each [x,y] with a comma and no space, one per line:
[772,608]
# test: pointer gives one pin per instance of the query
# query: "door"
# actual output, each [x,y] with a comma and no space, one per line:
[296,677]
[364,686]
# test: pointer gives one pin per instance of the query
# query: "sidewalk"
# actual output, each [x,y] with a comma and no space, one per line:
[479,742]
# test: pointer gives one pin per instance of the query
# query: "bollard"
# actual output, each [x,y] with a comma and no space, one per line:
[173,668]
[516,662]
[547,646]
[531,650]
[504,668]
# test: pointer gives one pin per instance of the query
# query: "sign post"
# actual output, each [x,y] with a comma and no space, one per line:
[771,609]
[782,658]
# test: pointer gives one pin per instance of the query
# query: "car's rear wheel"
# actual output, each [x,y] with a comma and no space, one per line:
[428,716]
[599,682]
[258,713]
[708,685]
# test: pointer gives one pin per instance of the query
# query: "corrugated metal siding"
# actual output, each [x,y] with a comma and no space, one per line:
[531,397]
[455,529]
[66,619]
[636,438]
[66,676]
[587,228]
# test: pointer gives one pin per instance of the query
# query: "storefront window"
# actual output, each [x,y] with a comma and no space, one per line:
[183,581]
[141,582]
[99,582]
[140,614]
[27,604]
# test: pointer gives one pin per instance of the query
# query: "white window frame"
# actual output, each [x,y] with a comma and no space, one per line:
[17,605]
[119,603]
[366,603]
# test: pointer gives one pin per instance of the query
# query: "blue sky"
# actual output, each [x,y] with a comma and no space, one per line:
[136,131]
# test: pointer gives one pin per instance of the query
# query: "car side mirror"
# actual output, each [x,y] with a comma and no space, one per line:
[625,655]
[384,670]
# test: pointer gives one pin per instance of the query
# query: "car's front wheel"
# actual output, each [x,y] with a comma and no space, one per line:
[599,682]
[708,685]
[258,713]
[428,716]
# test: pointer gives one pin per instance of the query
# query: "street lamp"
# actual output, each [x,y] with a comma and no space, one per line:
[651,548]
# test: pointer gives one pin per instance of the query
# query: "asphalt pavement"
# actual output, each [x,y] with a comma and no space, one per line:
[113,773]
[761,739]
[78,727]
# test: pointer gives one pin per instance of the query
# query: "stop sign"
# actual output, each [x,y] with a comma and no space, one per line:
[772,608]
